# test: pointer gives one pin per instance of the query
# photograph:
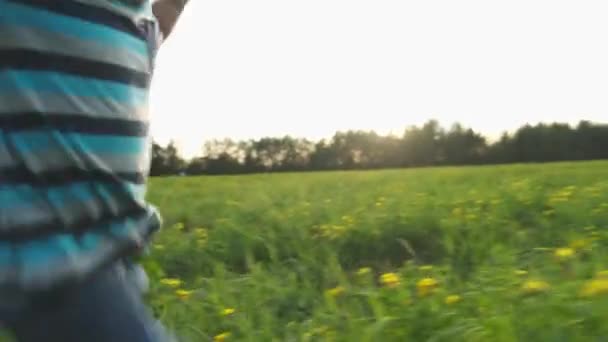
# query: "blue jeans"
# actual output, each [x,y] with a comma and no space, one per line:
[107,308]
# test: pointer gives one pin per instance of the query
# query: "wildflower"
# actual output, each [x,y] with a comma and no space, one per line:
[364,271]
[595,287]
[228,312]
[222,337]
[201,233]
[579,244]
[171,282]
[183,294]
[452,299]
[179,226]
[426,286]
[425,268]
[390,280]
[521,273]
[564,253]
[335,292]
[535,287]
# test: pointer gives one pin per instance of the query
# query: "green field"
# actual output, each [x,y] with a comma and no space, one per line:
[501,253]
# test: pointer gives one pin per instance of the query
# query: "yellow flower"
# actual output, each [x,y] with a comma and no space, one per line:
[364,271]
[535,287]
[222,337]
[228,311]
[426,268]
[335,292]
[595,287]
[390,280]
[564,253]
[452,299]
[579,244]
[183,294]
[201,233]
[521,273]
[426,286]
[171,282]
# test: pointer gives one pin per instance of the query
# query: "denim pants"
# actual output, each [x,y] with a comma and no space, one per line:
[107,308]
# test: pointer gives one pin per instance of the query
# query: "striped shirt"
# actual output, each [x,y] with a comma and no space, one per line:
[74,145]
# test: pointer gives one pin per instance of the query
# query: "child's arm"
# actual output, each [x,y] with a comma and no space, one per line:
[167,12]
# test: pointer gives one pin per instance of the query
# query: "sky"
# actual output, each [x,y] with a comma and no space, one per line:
[308,68]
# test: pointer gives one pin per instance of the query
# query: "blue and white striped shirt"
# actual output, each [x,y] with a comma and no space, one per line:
[74,145]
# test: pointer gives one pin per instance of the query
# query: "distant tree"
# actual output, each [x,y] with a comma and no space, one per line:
[463,146]
[418,146]
[166,161]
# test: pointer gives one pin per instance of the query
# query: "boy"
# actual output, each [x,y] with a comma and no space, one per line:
[74,158]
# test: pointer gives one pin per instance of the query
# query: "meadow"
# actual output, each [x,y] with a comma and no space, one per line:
[493,253]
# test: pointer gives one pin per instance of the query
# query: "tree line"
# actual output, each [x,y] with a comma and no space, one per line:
[428,145]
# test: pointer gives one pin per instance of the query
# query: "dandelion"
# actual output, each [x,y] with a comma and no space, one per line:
[426,286]
[227,312]
[201,233]
[222,337]
[452,299]
[595,287]
[171,282]
[521,273]
[532,287]
[335,292]
[390,280]
[363,271]
[183,294]
[564,254]
[580,244]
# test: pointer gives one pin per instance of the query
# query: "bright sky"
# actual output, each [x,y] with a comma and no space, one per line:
[246,69]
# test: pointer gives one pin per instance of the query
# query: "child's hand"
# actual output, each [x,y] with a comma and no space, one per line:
[167,12]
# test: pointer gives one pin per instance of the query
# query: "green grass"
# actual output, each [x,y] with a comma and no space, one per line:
[271,246]
[299,256]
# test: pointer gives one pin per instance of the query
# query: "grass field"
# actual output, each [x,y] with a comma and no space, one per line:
[501,253]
